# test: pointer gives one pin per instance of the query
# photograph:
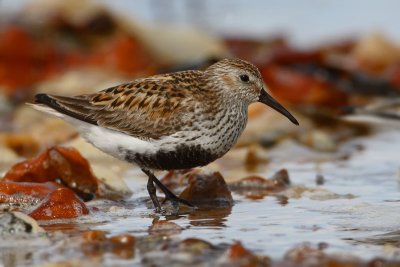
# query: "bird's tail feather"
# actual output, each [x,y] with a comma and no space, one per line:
[75,107]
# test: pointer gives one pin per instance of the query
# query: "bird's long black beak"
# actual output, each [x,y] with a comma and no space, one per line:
[268,100]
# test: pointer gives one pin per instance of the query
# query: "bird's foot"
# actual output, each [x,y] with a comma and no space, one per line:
[175,200]
[173,209]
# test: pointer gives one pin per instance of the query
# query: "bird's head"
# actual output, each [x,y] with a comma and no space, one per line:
[242,80]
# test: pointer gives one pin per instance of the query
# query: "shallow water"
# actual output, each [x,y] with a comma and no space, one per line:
[355,211]
[359,199]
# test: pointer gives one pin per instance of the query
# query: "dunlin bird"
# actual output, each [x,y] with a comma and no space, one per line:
[171,121]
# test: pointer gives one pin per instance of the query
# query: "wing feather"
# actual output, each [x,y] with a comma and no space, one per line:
[145,108]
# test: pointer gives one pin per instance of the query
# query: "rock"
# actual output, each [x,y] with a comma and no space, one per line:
[60,204]
[207,189]
[196,246]
[164,228]
[25,193]
[375,52]
[256,187]
[319,140]
[307,254]
[58,163]
[94,235]
[8,157]
[22,144]
[17,223]
[255,157]
[111,185]
[97,244]
[304,253]
[179,45]
[237,255]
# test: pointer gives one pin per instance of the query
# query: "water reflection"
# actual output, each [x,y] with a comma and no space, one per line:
[63,227]
[211,217]
[391,238]
[15,257]
[260,194]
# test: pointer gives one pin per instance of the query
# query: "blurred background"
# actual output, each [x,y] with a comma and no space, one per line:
[306,22]
[323,59]
[334,64]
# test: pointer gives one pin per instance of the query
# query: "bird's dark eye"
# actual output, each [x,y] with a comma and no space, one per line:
[244,78]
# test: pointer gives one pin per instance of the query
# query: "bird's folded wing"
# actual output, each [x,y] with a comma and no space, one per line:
[143,110]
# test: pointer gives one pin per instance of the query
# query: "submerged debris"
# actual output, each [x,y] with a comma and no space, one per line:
[96,243]
[319,179]
[255,158]
[309,255]
[256,187]
[17,223]
[164,228]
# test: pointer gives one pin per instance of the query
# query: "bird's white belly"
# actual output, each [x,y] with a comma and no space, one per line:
[116,143]
[110,141]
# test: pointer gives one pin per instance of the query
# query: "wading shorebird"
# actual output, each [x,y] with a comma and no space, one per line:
[171,121]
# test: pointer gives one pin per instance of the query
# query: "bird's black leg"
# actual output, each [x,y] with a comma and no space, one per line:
[152,189]
[169,195]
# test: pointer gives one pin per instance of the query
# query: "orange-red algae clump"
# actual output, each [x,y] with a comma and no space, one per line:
[65,165]
[60,204]
[237,255]
[27,56]
[296,88]
[96,244]
[117,54]
[23,61]
[237,251]
[13,192]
